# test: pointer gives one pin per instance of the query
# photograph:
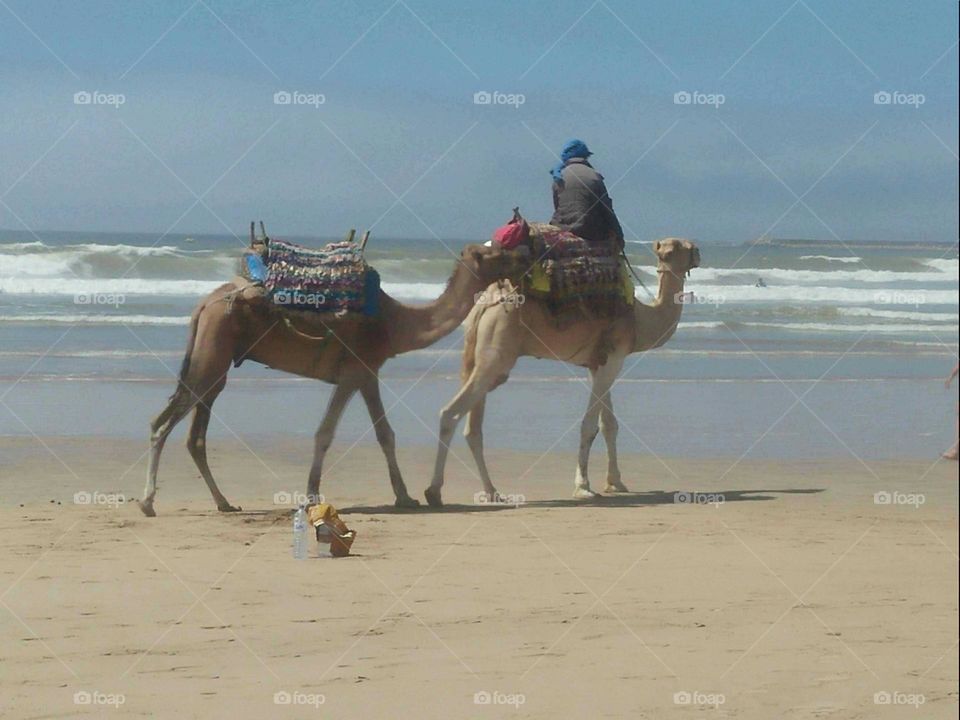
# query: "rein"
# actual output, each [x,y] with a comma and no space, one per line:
[623,254]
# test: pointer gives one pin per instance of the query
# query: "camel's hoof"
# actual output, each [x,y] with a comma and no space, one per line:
[229,508]
[616,488]
[406,502]
[147,508]
[584,494]
[433,497]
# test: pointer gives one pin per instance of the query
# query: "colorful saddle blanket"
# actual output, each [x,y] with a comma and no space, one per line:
[333,279]
[574,275]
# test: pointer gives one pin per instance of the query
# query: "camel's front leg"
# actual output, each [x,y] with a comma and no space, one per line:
[609,427]
[471,392]
[387,439]
[338,401]
[603,378]
[197,447]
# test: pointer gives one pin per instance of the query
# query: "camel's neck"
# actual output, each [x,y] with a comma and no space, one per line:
[414,327]
[657,321]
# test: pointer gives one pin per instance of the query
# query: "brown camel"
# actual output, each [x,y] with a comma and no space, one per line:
[227,327]
[498,333]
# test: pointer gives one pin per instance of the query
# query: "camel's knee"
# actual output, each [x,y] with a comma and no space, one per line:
[609,424]
[158,433]
[589,429]
[474,437]
[196,446]
[448,422]
[322,441]
[385,435]
[158,426]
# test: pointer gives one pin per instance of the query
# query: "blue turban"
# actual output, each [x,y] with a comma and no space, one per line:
[571,149]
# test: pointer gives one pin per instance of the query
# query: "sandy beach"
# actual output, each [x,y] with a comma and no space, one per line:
[780,590]
[719,238]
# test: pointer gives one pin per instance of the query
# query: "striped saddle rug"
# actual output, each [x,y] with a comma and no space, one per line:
[575,276]
[332,279]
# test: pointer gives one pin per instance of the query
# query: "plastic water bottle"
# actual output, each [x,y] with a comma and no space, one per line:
[300,533]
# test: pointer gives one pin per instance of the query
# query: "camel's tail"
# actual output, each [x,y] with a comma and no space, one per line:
[191,339]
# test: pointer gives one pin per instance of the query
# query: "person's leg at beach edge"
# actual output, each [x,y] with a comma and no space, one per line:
[952,453]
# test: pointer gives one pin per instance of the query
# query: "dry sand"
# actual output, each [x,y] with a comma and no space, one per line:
[798,597]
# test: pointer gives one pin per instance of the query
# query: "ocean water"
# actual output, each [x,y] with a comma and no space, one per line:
[93,326]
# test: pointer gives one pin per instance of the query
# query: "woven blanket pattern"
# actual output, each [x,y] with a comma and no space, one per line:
[332,279]
[582,275]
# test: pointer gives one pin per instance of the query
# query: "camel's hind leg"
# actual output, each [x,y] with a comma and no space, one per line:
[609,427]
[180,403]
[603,379]
[473,432]
[202,376]
[197,446]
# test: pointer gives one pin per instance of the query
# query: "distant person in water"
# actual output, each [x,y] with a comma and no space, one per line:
[580,200]
[760,283]
[951,454]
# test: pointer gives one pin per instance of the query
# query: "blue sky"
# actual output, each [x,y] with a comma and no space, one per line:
[798,147]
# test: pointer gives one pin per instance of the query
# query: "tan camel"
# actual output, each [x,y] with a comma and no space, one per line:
[228,328]
[500,332]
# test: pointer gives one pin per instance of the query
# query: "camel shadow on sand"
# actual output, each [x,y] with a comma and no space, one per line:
[620,500]
[632,499]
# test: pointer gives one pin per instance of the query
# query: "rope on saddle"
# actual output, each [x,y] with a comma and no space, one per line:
[313,338]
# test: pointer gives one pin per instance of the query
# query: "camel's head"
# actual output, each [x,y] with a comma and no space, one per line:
[676,256]
[492,262]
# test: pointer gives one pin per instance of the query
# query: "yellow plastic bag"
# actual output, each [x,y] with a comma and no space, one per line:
[539,282]
[330,528]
